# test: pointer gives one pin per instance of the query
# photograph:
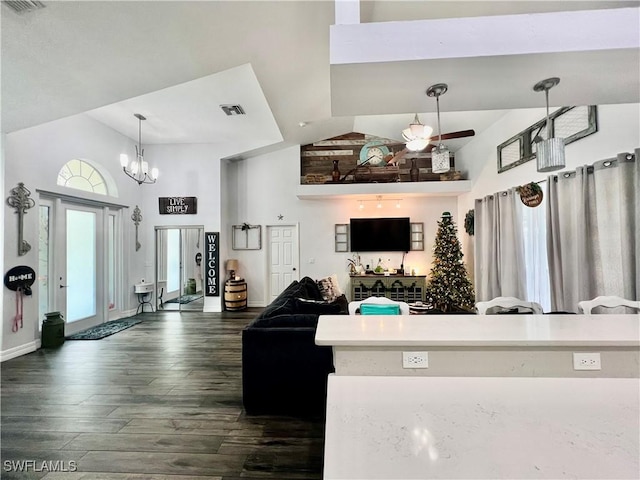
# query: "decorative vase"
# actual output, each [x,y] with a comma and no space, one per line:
[414,172]
[335,173]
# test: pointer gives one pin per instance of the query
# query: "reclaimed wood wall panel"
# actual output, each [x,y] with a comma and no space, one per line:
[316,159]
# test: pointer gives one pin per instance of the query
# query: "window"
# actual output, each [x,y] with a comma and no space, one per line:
[534,232]
[80,175]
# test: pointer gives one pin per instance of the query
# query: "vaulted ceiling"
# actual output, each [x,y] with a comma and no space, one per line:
[176,62]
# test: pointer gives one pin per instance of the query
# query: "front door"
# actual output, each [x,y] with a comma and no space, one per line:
[283,258]
[80,266]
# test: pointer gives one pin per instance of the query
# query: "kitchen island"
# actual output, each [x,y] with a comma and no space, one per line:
[498,397]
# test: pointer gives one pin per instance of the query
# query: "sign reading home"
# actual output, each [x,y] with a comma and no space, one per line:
[178,205]
[212,257]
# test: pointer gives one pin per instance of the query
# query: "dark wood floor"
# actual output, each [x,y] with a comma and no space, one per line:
[161,400]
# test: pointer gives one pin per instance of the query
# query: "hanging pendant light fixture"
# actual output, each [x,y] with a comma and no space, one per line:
[417,135]
[440,161]
[138,169]
[549,152]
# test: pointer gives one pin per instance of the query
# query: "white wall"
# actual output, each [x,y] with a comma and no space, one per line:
[185,171]
[263,188]
[34,156]
[618,131]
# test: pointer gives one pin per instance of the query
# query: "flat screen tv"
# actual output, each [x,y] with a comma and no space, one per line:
[380,234]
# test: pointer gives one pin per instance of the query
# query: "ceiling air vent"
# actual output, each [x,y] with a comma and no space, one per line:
[232,109]
[24,6]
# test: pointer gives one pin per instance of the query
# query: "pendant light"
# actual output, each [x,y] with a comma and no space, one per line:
[549,152]
[138,170]
[440,161]
[417,135]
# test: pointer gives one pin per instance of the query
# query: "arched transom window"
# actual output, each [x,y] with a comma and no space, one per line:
[81,175]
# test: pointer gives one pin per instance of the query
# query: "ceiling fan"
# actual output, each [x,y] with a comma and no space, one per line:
[415,143]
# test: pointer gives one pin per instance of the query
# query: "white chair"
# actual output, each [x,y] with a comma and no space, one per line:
[354,306]
[606,301]
[508,302]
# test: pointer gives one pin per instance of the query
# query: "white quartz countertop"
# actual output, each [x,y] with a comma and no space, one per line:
[404,428]
[478,330]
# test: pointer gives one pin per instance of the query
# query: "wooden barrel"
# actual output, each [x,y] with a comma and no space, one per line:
[235,295]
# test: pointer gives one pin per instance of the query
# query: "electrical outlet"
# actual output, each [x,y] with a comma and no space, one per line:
[415,360]
[586,361]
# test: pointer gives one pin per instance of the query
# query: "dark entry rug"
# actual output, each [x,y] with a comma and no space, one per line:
[105,329]
[185,298]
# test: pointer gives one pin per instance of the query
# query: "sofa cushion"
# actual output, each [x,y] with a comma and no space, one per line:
[287,321]
[311,289]
[321,307]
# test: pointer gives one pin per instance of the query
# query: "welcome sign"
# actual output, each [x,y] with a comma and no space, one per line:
[212,270]
[178,205]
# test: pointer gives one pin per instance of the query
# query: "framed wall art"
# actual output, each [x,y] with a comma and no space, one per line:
[246,237]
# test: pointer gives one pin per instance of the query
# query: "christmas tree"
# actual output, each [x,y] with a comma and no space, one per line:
[449,288]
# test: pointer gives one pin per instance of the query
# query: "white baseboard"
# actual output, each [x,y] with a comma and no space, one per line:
[256,304]
[19,350]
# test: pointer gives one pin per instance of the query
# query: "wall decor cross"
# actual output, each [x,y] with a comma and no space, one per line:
[19,199]
[137,218]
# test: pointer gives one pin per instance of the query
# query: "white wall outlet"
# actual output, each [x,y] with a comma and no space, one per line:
[415,360]
[586,361]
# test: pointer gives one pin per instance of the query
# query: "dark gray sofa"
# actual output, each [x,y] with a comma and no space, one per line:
[283,371]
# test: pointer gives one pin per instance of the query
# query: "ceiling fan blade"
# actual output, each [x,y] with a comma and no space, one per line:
[399,155]
[452,135]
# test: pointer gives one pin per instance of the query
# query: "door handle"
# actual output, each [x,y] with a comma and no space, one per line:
[63,286]
[294,269]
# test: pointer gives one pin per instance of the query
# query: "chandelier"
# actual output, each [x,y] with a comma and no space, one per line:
[417,135]
[549,152]
[138,169]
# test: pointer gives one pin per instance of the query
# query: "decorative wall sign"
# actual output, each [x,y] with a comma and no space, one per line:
[212,268]
[137,218]
[21,277]
[530,194]
[178,205]
[19,199]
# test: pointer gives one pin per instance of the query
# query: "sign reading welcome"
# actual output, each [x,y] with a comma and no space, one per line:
[212,257]
[178,205]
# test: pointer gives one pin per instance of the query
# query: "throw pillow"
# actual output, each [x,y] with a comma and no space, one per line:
[329,288]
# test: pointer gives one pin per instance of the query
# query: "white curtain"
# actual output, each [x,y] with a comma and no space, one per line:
[534,230]
[499,249]
[593,220]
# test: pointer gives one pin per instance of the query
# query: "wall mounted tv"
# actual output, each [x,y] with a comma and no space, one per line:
[380,234]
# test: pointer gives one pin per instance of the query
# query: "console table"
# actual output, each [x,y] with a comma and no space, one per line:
[403,288]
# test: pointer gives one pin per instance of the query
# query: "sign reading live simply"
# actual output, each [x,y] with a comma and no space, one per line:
[212,257]
[178,205]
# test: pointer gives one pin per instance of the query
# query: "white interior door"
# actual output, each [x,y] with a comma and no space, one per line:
[283,256]
[80,266]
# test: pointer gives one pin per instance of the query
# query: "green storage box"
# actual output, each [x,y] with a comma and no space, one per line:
[52,330]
